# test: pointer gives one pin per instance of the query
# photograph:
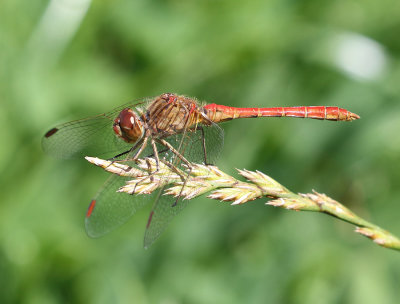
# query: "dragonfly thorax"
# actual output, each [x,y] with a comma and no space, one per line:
[128,126]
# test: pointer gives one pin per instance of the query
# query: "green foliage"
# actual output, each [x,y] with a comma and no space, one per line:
[240,53]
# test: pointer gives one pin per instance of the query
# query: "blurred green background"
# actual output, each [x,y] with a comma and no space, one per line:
[67,59]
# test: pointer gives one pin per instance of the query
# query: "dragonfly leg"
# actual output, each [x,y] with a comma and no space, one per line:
[157,159]
[203,139]
[153,144]
[159,152]
[173,150]
[140,150]
[115,160]
[142,143]
[128,151]
[182,158]
[118,155]
[174,169]
[152,173]
[183,186]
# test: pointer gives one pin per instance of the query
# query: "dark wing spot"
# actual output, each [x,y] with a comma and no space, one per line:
[91,208]
[50,132]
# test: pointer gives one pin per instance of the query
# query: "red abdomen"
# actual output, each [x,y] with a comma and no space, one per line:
[219,113]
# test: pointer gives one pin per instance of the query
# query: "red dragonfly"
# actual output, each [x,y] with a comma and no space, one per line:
[173,129]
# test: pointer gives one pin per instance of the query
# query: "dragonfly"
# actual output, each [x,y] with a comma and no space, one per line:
[174,130]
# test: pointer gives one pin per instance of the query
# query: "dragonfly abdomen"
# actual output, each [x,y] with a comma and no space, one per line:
[220,113]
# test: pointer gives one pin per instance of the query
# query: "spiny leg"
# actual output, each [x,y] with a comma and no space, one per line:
[138,152]
[120,154]
[142,143]
[115,160]
[153,144]
[157,159]
[174,169]
[156,156]
[182,158]
[179,155]
[128,151]
[203,139]
[183,186]
[151,173]
[159,152]
[173,150]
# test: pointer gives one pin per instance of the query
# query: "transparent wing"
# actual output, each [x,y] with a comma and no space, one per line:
[214,142]
[201,145]
[88,136]
[110,209]
[163,211]
[192,146]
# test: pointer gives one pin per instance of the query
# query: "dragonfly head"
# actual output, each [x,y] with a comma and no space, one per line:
[128,126]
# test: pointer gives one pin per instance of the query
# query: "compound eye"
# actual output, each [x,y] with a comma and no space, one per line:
[127,119]
[128,126]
